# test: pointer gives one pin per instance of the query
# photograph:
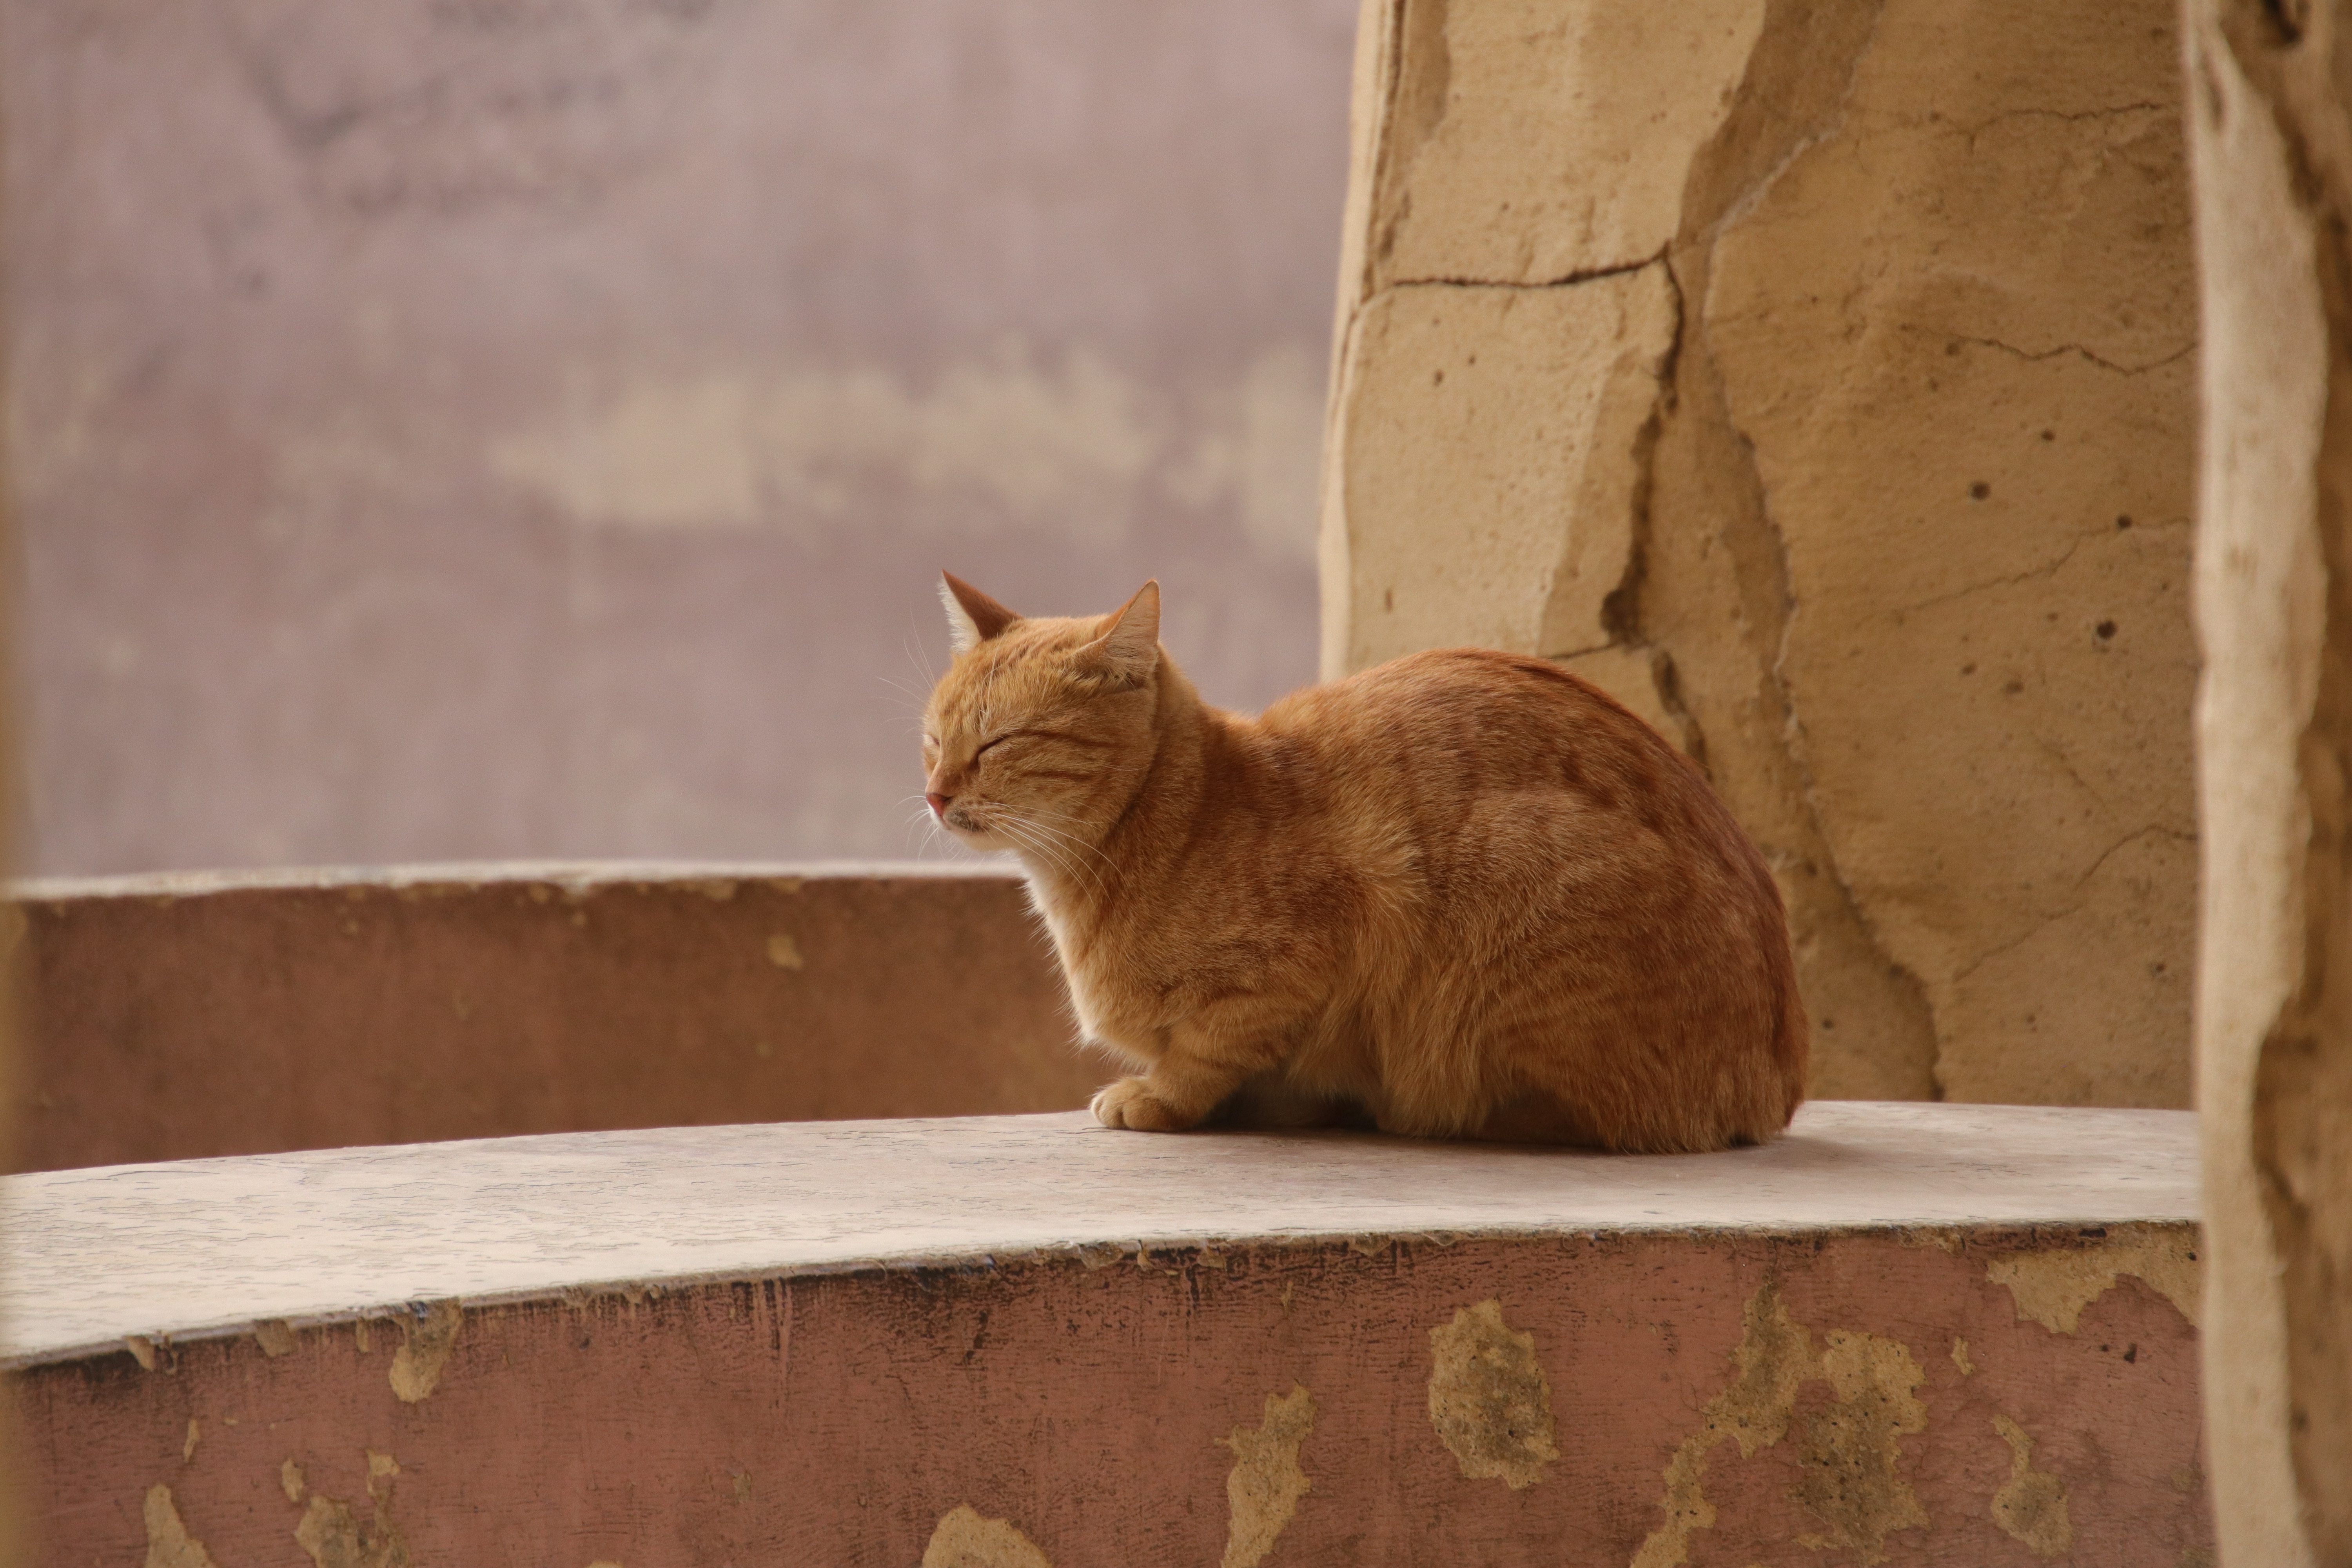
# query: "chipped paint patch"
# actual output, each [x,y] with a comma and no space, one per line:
[417,1365]
[290,1480]
[142,1349]
[2053,1285]
[336,1536]
[276,1337]
[1851,1451]
[169,1545]
[1852,1480]
[1262,1490]
[965,1539]
[1488,1397]
[784,953]
[2032,1506]
[1773,1359]
[1960,1357]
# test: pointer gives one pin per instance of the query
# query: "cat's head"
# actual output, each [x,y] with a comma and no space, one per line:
[1040,730]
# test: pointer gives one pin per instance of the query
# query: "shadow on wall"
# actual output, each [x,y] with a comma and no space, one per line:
[473,431]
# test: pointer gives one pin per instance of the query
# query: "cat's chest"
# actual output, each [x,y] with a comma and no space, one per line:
[1098,960]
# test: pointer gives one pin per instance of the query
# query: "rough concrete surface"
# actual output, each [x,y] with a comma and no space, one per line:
[172,1017]
[1026,1341]
[1818,379]
[533,428]
[2270,118]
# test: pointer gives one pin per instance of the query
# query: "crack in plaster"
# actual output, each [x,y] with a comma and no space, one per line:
[2075,116]
[2154,831]
[1565,281]
[2036,356]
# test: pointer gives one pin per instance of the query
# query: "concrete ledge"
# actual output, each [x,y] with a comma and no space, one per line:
[191,1015]
[1909,1333]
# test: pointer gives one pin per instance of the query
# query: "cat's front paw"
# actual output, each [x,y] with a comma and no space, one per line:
[1131,1104]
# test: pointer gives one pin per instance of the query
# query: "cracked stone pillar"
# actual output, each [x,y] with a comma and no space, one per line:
[2270,116]
[1817,376]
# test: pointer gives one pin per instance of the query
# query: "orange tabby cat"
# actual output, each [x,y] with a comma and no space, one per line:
[1464,894]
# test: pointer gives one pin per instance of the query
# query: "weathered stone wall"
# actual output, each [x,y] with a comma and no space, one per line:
[1818,378]
[2271,101]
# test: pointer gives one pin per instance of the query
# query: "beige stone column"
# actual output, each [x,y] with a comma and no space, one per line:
[2273,175]
[1816,375]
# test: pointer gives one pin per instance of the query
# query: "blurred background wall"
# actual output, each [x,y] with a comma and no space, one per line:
[453,428]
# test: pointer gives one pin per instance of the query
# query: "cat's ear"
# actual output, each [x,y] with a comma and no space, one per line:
[1129,647]
[972,616]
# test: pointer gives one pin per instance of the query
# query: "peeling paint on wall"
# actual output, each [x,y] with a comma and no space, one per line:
[290,1480]
[169,1545]
[417,1365]
[1851,1478]
[142,1349]
[188,1448]
[2052,1287]
[1488,1397]
[336,1536]
[276,1337]
[2032,1506]
[783,951]
[1775,1355]
[1262,1490]
[966,1540]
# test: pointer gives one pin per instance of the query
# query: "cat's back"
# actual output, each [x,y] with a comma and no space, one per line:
[1478,721]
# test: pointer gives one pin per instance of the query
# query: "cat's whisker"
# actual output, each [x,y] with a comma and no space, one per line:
[1045,849]
[1041,839]
[1070,843]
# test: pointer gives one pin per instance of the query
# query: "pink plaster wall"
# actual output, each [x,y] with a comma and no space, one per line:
[836,1420]
[533,430]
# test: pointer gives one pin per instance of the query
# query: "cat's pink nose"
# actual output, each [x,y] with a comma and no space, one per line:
[938,805]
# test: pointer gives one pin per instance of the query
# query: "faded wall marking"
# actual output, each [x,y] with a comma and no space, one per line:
[2053,1285]
[1067,441]
[1488,1397]
[169,1545]
[417,1365]
[2032,1505]
[1851,1451]
[964,1539]
[1262,1490]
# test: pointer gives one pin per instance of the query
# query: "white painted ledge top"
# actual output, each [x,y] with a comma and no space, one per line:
[198,1247]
